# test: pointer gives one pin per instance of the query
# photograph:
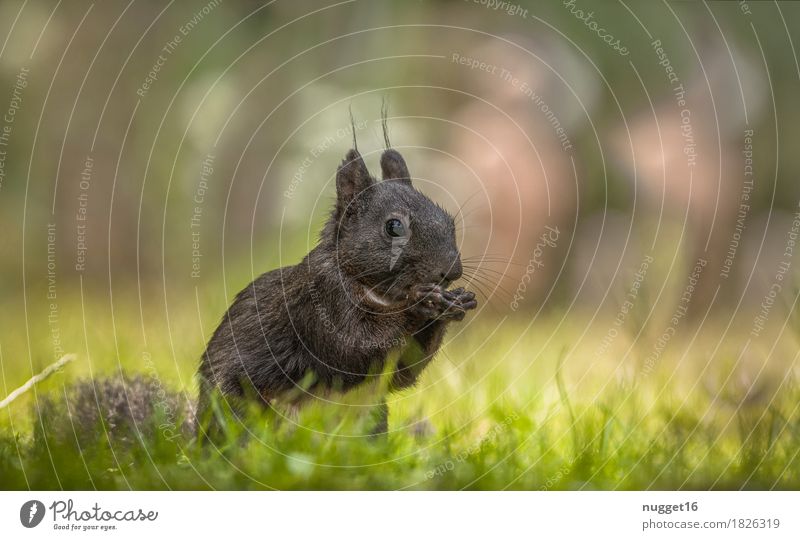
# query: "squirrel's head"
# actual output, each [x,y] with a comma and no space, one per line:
[389,236]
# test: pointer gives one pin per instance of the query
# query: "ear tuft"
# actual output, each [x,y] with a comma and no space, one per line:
[394,167]
[352,177]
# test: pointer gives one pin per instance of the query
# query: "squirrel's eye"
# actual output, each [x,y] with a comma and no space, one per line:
[395,228]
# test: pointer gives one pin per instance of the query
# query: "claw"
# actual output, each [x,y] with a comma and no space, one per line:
[433,302]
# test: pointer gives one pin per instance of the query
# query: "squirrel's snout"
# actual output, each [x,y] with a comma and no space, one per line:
[452,272]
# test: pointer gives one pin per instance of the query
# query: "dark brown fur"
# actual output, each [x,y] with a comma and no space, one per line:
[332,320]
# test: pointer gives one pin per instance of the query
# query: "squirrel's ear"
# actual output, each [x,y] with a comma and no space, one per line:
[352,177]
[394,166]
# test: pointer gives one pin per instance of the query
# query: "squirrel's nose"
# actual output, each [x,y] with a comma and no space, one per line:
[453,272]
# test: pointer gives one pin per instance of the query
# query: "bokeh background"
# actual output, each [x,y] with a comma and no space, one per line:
[626,176]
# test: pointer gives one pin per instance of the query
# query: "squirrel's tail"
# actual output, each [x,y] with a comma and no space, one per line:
[118,409]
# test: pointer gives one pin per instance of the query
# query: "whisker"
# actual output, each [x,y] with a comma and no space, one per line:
[496,287]
[393,284]
[484,269]
[367,274]
[491,261]
[471,212]
[476,281]
[489,256]
[482,292]
[381,282]
[493,280]
[462,206]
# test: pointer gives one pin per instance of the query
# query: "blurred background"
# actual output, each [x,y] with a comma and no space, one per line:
[625,173]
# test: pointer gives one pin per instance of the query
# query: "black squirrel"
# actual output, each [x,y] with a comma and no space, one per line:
[376,281]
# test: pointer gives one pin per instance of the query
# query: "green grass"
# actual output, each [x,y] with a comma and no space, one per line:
[506,406]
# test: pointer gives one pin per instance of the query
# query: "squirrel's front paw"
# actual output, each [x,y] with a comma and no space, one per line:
[461,299]
[429,302]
